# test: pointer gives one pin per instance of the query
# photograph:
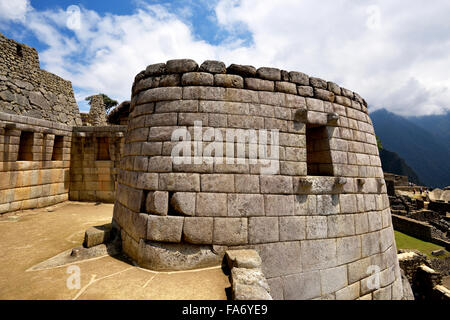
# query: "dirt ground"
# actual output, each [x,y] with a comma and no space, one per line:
[31,237]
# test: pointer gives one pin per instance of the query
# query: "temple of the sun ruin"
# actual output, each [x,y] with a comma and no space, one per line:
[209,158]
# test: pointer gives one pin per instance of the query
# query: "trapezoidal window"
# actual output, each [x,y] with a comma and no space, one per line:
[318,153]
[26,146]
[58,145]
[103,149]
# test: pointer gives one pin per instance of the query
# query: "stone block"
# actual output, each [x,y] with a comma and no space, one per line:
[213,66]
[316,227]
[181,66]
[324,95]
[358,270]
[228,81]
[259,85]
[198,230]
[245,183]
[217,182]
[333,279]
[361,223]
[341,225]
[159,164]
[230,231]
[318,254]
[242,70]
[327,204]
[370,243]
[273,253]
[179,182]
[269,73]
[305,91]
[299,78]
[157,202]
[97,235]
[276,184]
[348,249]
[247,276]
[375,222]
[276,288]
[279,205]
[244,258]
[350,292]
[211,204]
[183,202]
[292,228]
[245,205]
[348,203]
[197,79]
[159,94]
[263,230]
[302,286]
[165,229]
[383,293]
[286,87]
[249,292]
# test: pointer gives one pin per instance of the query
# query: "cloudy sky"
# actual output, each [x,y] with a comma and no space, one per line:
[394,53]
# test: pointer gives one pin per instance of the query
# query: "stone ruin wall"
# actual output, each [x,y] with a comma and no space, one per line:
[27,90]
[318,224]
[95,163]
[34,162]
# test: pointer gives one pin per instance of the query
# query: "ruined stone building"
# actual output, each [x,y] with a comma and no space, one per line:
[319,218]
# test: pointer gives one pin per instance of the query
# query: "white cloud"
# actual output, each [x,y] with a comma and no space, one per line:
[15,10]
[394,53]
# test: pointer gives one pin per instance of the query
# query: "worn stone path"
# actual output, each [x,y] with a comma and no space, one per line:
[32,236]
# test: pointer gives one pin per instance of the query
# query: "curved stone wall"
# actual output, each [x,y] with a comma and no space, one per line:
[310,198]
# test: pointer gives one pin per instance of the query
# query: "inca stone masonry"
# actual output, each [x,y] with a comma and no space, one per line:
[321,222]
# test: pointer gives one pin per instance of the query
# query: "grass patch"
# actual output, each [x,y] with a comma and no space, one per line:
[407,242]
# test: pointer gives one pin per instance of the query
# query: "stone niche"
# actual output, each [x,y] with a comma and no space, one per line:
[312,202]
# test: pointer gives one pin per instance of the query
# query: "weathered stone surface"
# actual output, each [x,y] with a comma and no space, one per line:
[316,227]
[197,79]
[333,279]
[157,202]
[211,204]
[245,205]
[258,84]
[324,94]
[165,229]
[292,228]
[249,292]
[269,73]
[230,231]
[252,277]
[279,205]
[263,230]
[299,78]
[97,235]
[228,81]
[217,183]
[198,230]
[273,253]
[244,258]
[242,70]
[213,66]
[348,249]
[183,202]
[181,66]
[302,286]
[318,254]
[170,257]
[155,69]
[305,91]
[318,83]
[286,87]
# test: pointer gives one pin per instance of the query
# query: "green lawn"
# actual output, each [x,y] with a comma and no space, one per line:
[407,242]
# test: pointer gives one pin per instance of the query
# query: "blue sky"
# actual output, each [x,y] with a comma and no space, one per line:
[394,53]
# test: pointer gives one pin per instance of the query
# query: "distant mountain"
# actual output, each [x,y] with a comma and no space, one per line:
[439,125]
[392,163]
[426,153]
